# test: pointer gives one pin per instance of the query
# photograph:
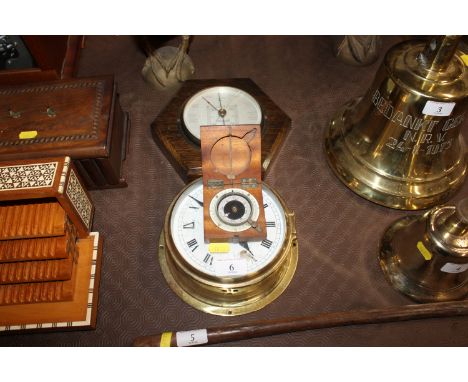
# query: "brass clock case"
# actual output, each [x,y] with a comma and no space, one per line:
[185,155]
[224,295]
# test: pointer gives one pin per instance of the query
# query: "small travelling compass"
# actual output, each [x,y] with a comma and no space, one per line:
[234,210]
[232,182]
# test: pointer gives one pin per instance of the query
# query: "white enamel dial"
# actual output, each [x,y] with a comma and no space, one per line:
[234,259]
[220,105]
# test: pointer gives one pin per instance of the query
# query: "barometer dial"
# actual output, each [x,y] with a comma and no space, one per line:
[219,105]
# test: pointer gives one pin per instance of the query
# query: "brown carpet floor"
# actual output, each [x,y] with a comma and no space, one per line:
[338,231]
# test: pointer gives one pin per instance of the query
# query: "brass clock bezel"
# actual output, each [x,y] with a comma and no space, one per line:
[227,296]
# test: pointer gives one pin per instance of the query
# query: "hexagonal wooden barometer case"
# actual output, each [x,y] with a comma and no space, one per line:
[216,102]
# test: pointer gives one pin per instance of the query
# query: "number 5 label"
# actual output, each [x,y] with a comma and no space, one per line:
[192,337]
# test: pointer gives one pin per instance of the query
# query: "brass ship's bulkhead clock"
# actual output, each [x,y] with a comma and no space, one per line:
[227,278]
[229,242]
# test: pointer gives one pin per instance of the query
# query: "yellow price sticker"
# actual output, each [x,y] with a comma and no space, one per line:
[28,134]
[464,58]
[165,340]
[219,247]
[424,251]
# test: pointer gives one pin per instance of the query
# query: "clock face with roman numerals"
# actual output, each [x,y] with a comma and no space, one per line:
[225,259]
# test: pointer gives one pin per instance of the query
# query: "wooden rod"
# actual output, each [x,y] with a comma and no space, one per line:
[236,332]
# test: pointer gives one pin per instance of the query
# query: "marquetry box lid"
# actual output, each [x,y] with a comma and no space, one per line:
[48,179]
[66,117]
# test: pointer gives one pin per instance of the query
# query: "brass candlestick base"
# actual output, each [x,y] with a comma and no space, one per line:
[426,256]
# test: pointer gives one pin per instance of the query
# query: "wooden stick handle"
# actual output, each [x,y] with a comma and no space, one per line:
[265,328]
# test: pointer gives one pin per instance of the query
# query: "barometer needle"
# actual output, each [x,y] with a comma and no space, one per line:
[209,103]
[221,109]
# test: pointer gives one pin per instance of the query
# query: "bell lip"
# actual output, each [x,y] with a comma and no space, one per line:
[337,160]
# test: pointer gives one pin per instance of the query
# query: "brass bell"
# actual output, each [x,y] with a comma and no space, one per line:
[400,145]
[426,256]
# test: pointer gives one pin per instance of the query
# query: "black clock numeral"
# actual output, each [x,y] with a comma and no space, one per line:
[267,243]
[192,243]
[271,224]
[189,225]
[265,205]
[208,259]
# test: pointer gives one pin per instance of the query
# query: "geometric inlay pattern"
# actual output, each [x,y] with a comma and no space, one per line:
[27,176]
[78,197]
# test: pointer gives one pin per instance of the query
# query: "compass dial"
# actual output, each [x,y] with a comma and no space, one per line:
[233,207]
[234,210]
[219,105]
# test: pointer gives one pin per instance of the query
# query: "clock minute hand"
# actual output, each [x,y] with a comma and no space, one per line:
[245,245]
[199,203]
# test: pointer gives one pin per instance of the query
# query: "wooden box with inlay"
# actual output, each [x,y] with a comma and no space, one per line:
[37,271]
[77,312]
[49,261]
[80,118]
[38,249]
[51,185]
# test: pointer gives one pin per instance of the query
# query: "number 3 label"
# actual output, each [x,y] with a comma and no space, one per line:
[438,109]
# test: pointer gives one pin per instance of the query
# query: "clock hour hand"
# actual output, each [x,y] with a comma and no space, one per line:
[245,245]
[198,202]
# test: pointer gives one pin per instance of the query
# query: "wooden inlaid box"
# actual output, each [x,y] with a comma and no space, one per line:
[80,118]
[80,312]
[43,180]
[49,261]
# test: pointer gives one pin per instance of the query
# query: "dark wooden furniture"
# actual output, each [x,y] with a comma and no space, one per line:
[56,57]
[80,118]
